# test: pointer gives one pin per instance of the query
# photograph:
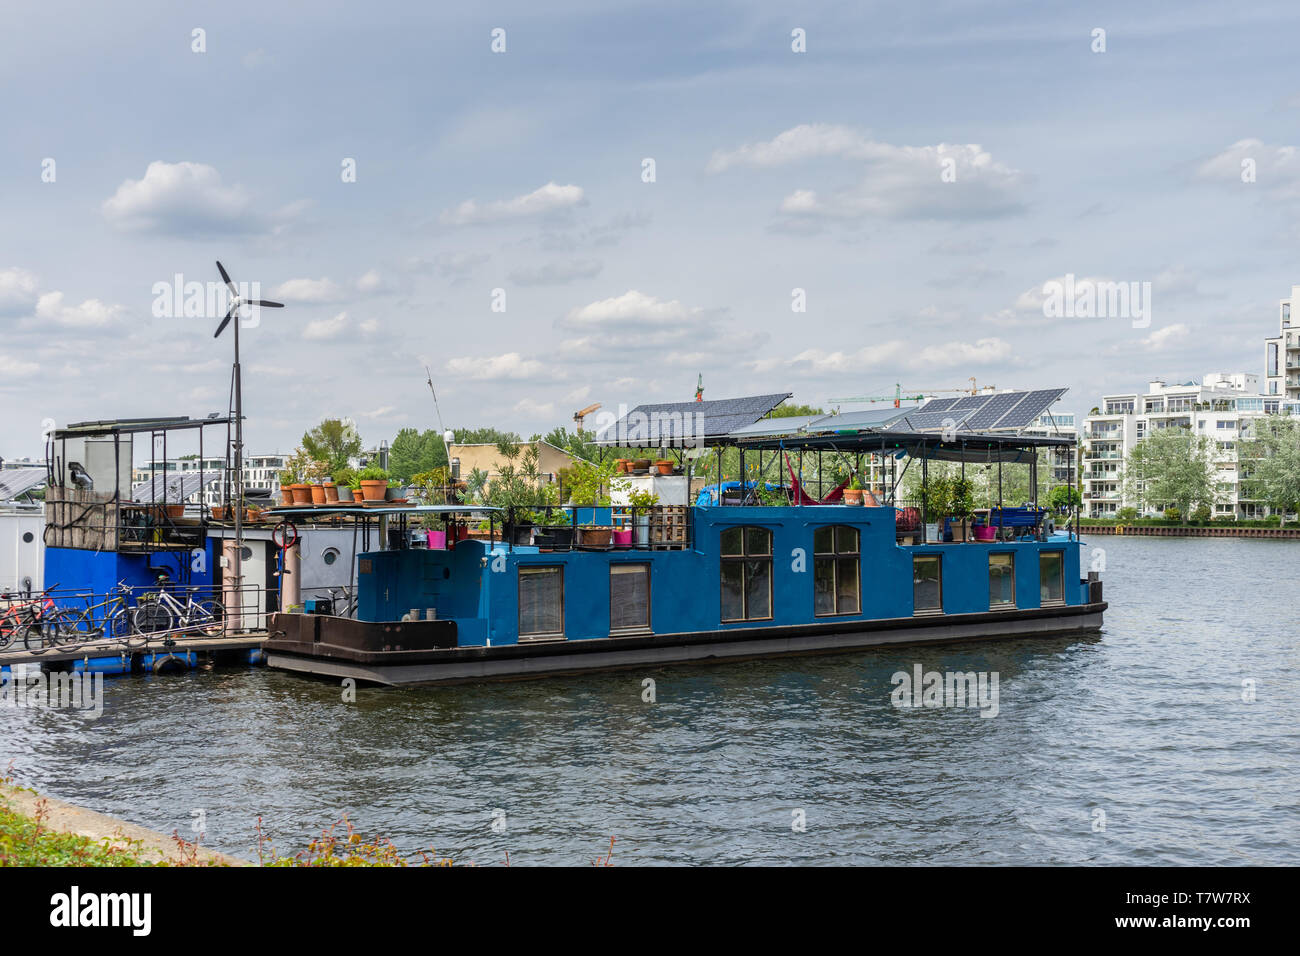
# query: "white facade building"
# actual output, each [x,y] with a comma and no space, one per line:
[1221,407]
[260,471]
[1282,352]
[1064,460]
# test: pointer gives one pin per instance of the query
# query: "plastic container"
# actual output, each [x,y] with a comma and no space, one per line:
[437,540]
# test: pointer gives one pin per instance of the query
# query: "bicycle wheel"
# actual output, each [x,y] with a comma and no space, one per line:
[118,625]
[151,617]
[207,615]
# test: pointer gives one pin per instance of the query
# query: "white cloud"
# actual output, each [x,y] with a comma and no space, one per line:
[557,273]
[898,182]
[545,200]
[369,326]
[11,367]
[17,291]
[372,281]
[891,354]
[1276,168]
[326,328]
[381,412]
[308,290]
[534,409]
[1163,338]
[91,313]
[511,365]
[180,199]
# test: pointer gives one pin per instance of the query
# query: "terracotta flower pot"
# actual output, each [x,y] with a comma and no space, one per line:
[175,511]
[317,494]
[663,466]
[301,494]
[286,495]
[218,512]
[596,537]
[853,496]
[374,489]
[331,493]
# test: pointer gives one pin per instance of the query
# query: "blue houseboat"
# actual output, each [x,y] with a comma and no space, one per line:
[739,579]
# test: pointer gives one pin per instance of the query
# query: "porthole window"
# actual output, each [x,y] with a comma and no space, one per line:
[330,555]
[28,537]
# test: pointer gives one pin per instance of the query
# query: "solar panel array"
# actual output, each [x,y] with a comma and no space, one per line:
[15,481]
[174,488]
[982,413]
[683,422]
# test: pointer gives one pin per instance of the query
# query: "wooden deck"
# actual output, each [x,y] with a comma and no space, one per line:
[133,648]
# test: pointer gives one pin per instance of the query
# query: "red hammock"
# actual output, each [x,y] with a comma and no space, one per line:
[801,497]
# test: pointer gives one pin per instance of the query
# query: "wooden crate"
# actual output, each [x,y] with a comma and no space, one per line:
[669,526]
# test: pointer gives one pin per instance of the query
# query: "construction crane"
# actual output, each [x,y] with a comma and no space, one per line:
[579,416]
[898,397]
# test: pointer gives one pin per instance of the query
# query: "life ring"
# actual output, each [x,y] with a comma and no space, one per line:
[285,535]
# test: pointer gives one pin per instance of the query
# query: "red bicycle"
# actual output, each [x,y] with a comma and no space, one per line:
[24,618]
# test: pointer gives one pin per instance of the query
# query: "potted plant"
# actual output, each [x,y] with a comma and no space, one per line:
[664,466]
[287,480]
[374,483]
[343,479]
[853,493]
[961,505]
[937,496]
[594,536]
[641,502]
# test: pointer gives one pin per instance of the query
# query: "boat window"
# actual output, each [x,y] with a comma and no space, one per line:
[541,602]
[1002,580]
[746,574]
[835,570]
[927,583]
[1051,577]
[629,597]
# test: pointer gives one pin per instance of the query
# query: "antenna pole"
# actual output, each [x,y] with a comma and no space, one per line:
[237,564]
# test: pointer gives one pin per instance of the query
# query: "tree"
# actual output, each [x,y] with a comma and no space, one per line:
[483,436]
[333,441]
[791,410]
[1063,496]
[576,445]
[1171,466]
[414,452]
[1273,473]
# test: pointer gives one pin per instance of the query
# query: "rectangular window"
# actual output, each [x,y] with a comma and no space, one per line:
[746,574]
[541,602]
[629,597]
[927,583]
[1002,580]
[835,571]
[1051,577]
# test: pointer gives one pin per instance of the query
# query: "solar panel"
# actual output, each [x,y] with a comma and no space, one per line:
[16,481]
[685,422]
[985,412]
[994,408]
[938,404]
[175,488]
[1030,407]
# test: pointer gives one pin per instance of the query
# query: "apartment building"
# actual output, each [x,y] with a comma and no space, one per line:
[1282,352]
[260,471]
[1221,407]
[1064,461]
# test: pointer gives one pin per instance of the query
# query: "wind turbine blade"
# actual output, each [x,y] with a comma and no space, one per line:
[225,277]
[226,321]
[267,302]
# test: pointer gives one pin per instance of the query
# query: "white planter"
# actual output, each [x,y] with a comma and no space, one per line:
[931,533]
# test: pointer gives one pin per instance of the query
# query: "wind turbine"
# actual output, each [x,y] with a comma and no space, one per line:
[236,303]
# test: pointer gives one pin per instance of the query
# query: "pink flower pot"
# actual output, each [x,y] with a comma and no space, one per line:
[437,540]
[623,538]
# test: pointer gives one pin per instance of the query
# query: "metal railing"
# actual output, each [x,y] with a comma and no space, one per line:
[129,616]
[658,527]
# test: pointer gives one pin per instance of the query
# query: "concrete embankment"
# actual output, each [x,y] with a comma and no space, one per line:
[1176,531]
[64,817]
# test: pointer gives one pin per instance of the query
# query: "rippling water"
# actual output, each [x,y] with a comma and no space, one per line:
[1145,723]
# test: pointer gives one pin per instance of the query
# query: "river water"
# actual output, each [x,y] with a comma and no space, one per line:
[1133,747]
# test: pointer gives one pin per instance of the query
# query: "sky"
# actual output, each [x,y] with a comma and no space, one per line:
[821,198]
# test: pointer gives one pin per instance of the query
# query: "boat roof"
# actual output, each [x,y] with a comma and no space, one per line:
[686,424]
[394,509]
[120,426]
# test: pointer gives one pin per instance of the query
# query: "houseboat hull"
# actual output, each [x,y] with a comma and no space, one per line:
[425,653]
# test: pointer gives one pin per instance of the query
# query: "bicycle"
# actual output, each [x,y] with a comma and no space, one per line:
[85,625]
[160,611]
[39,615]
